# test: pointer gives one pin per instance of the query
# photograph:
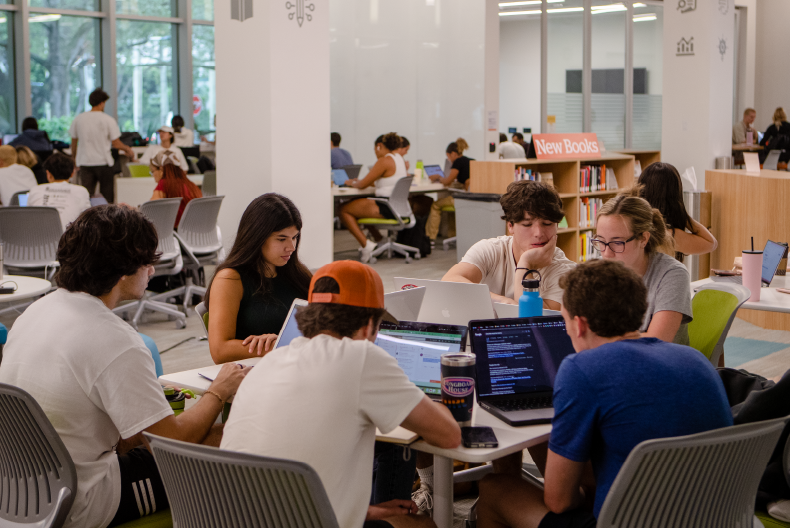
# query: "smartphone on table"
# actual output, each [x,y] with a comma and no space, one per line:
[479,437]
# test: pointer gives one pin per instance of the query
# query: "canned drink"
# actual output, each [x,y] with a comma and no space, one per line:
[458,385]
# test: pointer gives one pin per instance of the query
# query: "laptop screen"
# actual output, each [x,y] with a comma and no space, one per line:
[772,254]
[518,356]
[433,170]
[290,329]
[22,200]
[418,348]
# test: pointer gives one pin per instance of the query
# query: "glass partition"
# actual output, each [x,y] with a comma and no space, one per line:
[608,74]
[565,61]
[648,57]
[7,91]
[203,79]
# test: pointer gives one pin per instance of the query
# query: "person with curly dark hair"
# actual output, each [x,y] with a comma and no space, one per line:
[389,168]
[532,211]
[93,375]
[619,390]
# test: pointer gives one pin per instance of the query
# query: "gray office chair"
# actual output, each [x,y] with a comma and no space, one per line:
[706,480]
[226,489]
[15,197]
[772,160]
[209,187]
[202,312]
[742,295]
[398,205]
[38,480]
[162,213]
[30,236]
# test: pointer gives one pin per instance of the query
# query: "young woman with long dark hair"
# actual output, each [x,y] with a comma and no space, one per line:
[172,182]
[251,291]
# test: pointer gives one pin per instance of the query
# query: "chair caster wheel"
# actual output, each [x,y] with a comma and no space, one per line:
[180,325]
[408,260]
[417,256]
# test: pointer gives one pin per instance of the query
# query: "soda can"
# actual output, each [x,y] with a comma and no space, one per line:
[458,385]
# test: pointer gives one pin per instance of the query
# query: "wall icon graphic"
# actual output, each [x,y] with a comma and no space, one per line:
[240,10]
[299,11]
[722,48]
[685,47]
[724,6]
[687,5]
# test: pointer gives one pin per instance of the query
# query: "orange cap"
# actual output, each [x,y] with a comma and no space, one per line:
[360,286]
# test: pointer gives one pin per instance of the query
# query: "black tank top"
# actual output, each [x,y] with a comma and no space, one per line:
[263,314]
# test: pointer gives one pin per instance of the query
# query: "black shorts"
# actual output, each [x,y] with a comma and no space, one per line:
[142,491]
[569,519]
[385,211]
[376,524]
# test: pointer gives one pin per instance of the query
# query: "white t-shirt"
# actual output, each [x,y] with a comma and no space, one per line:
[154,149]
[13,179]
[70,200]
[95,379]
[319,401]
[185,138]
[510,150]
[95,132]
[494,258]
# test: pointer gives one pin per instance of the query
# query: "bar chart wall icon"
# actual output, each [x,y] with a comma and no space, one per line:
[240,10]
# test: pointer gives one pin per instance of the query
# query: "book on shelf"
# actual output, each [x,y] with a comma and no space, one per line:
[594,178]
[586,249]
[523,173]
[611,180]
[588,211]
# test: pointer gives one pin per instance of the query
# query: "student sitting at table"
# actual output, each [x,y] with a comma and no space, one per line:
[777,136]
[631,231]
[457,179]
[99,385]
[13,176]
[165,144]
[389,168]
[252,290]
[404,149]
[182,136]
[172,182]
[532,211]
[320,399]
[662,188]
[618,391]
[70,200]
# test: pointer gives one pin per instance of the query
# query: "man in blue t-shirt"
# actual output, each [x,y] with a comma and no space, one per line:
[618,391]
[340,157]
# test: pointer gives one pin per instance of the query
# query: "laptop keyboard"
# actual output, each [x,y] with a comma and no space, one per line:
[534,402]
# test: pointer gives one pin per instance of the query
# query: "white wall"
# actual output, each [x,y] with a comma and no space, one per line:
[772,77]
[519,73]
[415,67]
[748,44]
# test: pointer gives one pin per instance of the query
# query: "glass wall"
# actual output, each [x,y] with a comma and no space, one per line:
[204,99]
[7,101]
[65,67]
[608,74]
[203,9]
[565,62]
[648,35]
[85,5]
[154,8]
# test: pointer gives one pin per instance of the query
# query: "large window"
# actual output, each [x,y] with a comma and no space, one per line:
[608,73]
[7,103]
[203,9]
[64,69]
[154,8]
[88,5]
[648,35]
[146,91]
[203,78]
[565,62]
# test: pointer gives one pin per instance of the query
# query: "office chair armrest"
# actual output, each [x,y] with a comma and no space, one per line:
[193,261]
[400,221]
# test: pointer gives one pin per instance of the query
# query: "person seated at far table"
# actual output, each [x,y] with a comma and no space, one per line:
[508,149]
[93,375]
[457,179]
[619,390]
[403,150]
[172,182]
[13,176]
[532,211]
[31,137]
[389,168]
[740,129]
[29,159]
[252,290]
[70,200]
[340,157]
[182,136]
[631,231]
[166,144]
[320,399]
[771,138]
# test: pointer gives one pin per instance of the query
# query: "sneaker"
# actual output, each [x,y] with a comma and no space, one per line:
[433,244]
[365,252]
[423,498]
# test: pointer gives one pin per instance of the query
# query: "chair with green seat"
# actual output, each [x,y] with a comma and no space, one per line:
[138,170]
[451,240]
[400,210]
[714,307]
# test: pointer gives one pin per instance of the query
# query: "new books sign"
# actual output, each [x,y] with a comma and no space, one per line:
[557,146]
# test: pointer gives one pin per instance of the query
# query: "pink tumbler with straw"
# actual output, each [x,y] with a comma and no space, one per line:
[752,272]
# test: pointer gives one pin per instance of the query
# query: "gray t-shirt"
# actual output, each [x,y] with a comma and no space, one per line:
[668,289]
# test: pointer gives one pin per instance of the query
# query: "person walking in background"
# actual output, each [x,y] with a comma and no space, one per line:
[13,176]
[182,136]
[741,129]
[31,137]
[340,157]
[93,135]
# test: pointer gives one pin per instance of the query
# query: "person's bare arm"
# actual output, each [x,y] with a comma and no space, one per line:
[434,423]
[120,145]
[664,325]
[446,180]
[465,272]
[74,142]
[698,243]
[379,170]
[226,294]
[562,486]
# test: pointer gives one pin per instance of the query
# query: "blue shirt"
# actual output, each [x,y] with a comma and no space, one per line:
[341,158]
[609,399]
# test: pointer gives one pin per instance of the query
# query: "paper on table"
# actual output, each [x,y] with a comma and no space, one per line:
[399,435]
[752,161]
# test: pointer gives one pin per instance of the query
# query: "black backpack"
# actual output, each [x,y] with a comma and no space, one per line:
[416,237]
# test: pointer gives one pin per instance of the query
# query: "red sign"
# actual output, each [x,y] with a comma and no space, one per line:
[197,105]
[557,146]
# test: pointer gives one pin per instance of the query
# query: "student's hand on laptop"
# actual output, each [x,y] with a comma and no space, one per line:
[260,345]
[228,379]
[393,508]
[539,257]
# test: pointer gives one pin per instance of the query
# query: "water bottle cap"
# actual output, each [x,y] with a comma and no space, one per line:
[530,284]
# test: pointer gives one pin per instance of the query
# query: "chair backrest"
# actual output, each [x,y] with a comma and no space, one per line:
[29,236]
[163,215]
[38,480]
[225,489]
[209,187]
[138,170]
[771,160]
[399,199]
[706,480]
[202,312]
[714,308]
[198,226]
[15,197]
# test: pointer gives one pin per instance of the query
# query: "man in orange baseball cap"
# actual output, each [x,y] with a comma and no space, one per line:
[320,399]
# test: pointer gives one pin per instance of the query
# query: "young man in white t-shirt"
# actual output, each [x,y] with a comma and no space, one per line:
[532,212]
[13,176]
[93,134]
[70,200]
[320,399]
[93,375]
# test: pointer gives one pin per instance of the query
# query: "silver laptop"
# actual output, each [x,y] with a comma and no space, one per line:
[772,256]
[454,303]
[510,311]
[517,362]
[290,329]
[404,305]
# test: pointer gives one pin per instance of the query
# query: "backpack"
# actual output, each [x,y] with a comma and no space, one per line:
[416,237]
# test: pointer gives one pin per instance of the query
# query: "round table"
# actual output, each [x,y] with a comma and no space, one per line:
[27,287]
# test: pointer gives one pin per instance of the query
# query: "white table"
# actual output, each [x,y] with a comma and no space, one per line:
[770,299]
[340,192]
[27,287]
[137,191]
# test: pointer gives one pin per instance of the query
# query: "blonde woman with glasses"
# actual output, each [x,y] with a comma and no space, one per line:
[631,231]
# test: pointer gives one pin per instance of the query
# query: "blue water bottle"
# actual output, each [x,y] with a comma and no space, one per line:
[530,304]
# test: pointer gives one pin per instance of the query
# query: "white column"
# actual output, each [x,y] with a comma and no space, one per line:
[491,68]
[697,91]
[273,113]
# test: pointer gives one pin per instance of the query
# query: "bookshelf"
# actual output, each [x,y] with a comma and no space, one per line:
[494,176]
[644,157]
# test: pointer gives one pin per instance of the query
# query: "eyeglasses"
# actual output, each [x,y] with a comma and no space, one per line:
[617,246]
